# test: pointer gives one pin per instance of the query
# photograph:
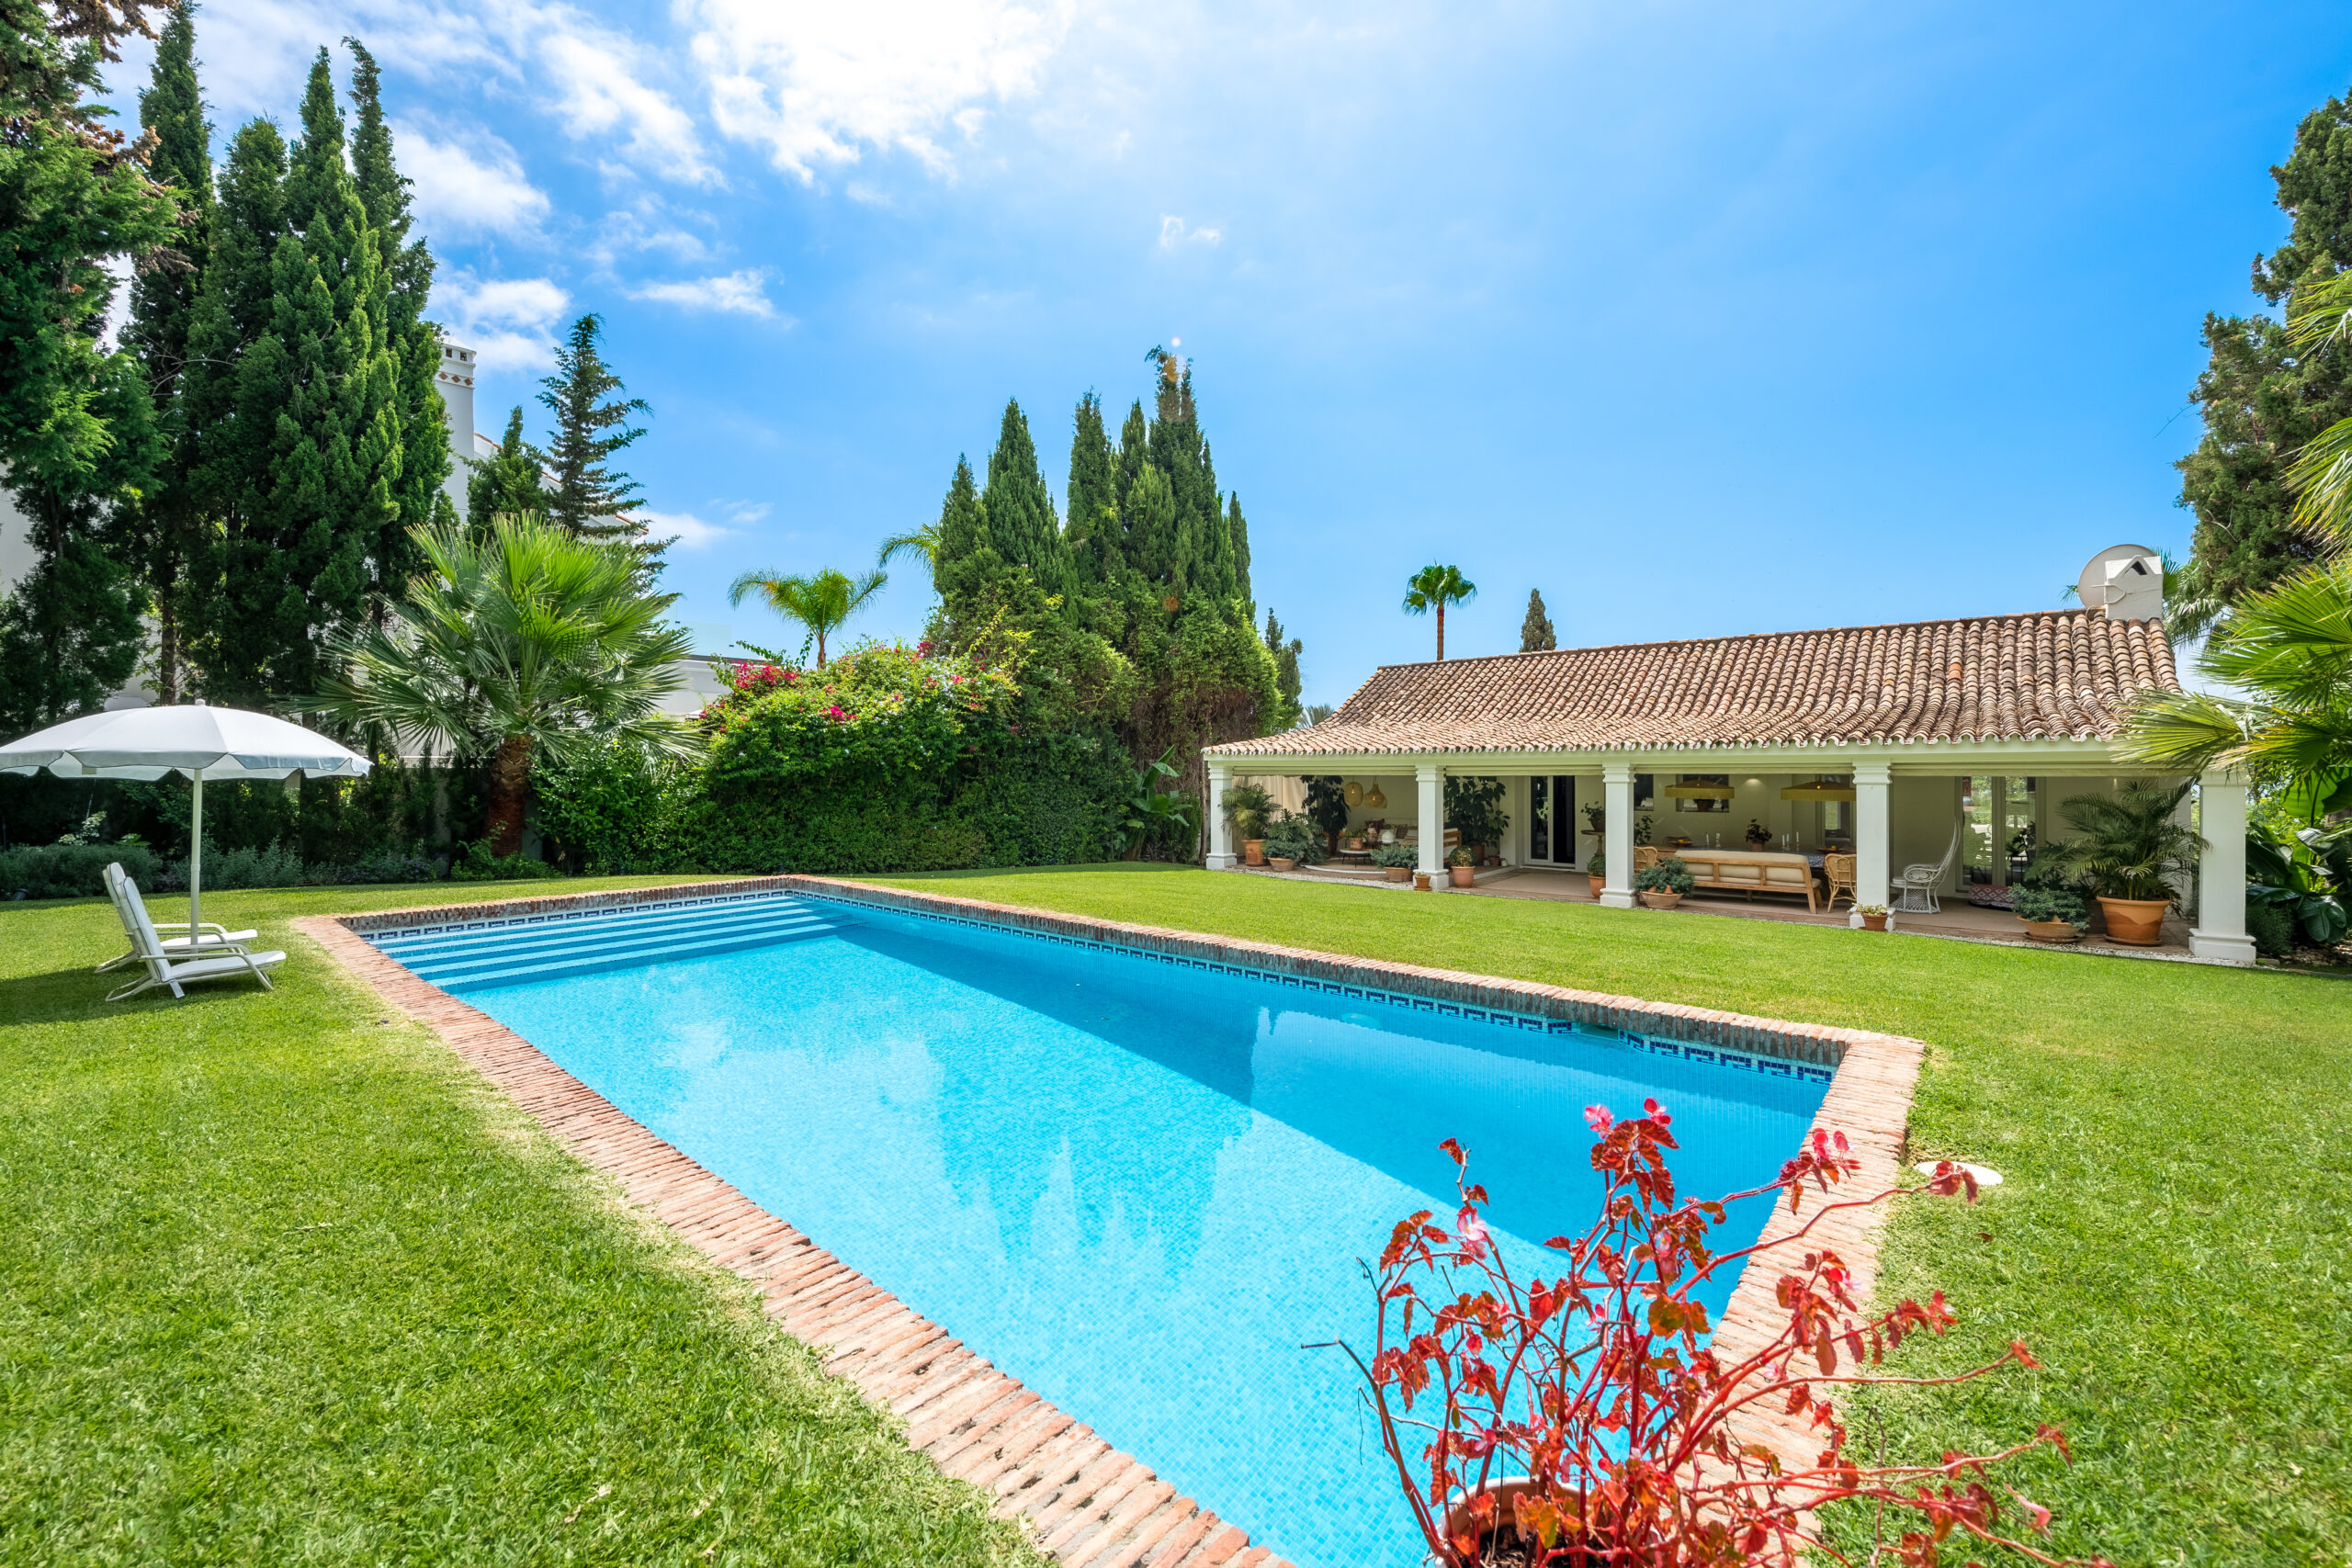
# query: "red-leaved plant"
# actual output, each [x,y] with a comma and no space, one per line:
[1588,1419]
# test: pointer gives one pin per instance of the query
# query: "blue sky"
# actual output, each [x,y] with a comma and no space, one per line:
[1701,318]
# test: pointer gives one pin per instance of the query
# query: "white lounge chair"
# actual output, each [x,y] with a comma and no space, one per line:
[172,972]
[1914,890]
[210,939]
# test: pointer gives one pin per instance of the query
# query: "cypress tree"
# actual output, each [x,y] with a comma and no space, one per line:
[1287,682]
[77,433]
[230,397]
[1535,632]
[1092,538]
[1022,524]
[589,499]
[2260,400]
[509,480]
[163,314]
[1237,528]
[416,345]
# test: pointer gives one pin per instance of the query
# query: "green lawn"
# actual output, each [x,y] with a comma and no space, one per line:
[2175,1238]
[284,1284]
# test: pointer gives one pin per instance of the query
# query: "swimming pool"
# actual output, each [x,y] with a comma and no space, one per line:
[1138,1185]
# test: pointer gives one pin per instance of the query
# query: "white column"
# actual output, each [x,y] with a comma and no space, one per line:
[1873,865]
[1431,822]
[2221,934]
[1220,836]
[1617,834]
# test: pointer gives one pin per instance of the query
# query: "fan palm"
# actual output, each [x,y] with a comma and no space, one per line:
[821,602]
[524,639]
[1434,588]
[2127,845]
[2290,649]
[2321,474]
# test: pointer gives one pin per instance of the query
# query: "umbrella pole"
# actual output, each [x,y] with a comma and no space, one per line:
[196,866]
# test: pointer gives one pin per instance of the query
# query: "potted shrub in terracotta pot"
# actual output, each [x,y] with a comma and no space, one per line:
[1463,866]
[1293,840]
[2128,847]
[1396,860]
[1248,809]
[1662,886]
[2050,914]
[1596,871]
[1873,916]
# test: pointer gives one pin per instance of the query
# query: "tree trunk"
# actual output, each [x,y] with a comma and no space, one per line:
[510,785]
[1440,631]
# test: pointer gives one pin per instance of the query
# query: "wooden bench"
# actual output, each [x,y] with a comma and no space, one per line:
[1743,871]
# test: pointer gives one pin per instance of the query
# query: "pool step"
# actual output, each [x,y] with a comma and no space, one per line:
[506,955]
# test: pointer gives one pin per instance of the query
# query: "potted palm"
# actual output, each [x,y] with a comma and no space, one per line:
[1246,809]
[2128,847]
[1463,865]
[1662,886]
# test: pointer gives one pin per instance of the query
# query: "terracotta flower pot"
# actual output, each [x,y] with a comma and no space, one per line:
[1282,863]
[2135,922]
[1463,874]
[2049,931]
[1420,882]
[1873,922]
[1660,899]
[1397,872]
[1597,883]
[1253,851]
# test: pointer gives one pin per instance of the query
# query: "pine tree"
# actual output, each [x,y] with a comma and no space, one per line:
[162,315]
[1022,524]
[2261,401]
[416,345]
[77,433]
[590,500]
[1535,632]
[509,480]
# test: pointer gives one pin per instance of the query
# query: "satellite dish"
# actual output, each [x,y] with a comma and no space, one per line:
[2127,582]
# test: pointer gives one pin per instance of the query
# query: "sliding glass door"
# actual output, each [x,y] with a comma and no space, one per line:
[1551,820]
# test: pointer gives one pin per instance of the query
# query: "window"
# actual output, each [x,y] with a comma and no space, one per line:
[1645,792]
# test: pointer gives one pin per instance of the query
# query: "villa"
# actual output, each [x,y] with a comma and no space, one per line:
[1942,745]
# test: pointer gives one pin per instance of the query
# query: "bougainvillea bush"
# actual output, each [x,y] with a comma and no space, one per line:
[1590,1418]
[891,758]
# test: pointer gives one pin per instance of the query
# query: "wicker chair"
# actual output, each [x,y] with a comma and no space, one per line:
[1840,870]
[1646,856]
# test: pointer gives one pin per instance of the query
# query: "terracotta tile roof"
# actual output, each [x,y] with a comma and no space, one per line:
[2052,675]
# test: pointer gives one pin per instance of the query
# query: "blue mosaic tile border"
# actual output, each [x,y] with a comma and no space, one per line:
[1600,1034]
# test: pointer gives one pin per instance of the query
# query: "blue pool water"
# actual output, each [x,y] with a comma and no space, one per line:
[1139,1188]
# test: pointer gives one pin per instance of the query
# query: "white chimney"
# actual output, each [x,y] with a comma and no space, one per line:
[454,379]
[2125,580]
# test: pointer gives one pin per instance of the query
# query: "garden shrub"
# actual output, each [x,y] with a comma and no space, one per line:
[71,870]
[2272,928]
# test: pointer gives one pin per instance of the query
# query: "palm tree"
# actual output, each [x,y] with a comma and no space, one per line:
[2290,649]
[1435,587]
[923,543]
[2321,318]
[821,602]
[524,639]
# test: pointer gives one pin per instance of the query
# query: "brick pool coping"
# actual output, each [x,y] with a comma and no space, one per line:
[1086,1503]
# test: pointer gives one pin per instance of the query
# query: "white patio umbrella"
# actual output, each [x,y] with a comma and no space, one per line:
[203,742]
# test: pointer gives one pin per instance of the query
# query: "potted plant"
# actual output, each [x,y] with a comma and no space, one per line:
[1473,808]
[1292,840]
[2051,914]
[1247,809]
[1758,837]
[1596,870]
[2128,847]
[1396,860]
[1326,807]
[1585,1414]
[1873,916]
[1463,865]
[1662,886]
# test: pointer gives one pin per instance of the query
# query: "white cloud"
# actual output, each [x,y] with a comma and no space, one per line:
[509,321]
[596,74]
[682,529]
[645,228]
[743,293]
[816,82]
[461,190]
[1173,234]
